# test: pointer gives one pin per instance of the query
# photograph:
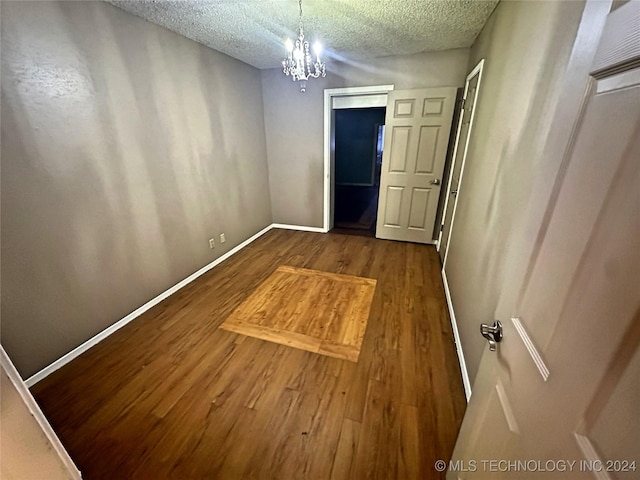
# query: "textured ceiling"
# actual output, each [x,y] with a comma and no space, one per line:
[253,31]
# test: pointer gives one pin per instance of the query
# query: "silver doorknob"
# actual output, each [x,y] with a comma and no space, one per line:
[492,333]
[454,193]
[435,182]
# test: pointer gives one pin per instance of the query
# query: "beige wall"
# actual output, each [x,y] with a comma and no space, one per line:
[125,147]
[27,451]
[294,122]
[526,46]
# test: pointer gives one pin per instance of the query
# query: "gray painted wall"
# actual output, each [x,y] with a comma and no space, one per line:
[526,46]
[125,147]
[294,122]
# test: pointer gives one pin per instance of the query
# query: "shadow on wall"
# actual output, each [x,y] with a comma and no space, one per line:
[315,171]
[123,150]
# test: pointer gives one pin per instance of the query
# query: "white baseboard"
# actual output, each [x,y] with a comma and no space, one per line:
[80,349]
[456,335]
[34,409]
[62,361]
[302,228]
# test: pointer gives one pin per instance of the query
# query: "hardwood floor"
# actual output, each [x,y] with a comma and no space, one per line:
[173,396]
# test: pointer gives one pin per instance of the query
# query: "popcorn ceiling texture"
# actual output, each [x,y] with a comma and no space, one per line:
[253,31]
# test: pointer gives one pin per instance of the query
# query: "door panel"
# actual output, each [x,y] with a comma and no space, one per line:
[399,149]
[568,369]
[427,149]
[417,130]
[433,106]
[403,108]
[418,208]
[392,207]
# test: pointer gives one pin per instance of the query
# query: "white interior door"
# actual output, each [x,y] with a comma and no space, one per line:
[559,398]
[465,124]
[417,128]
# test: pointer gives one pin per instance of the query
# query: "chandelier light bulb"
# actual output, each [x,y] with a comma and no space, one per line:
[289,45]
[317,49]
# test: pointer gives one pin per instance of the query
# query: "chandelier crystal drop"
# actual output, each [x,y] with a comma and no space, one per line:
[298,63]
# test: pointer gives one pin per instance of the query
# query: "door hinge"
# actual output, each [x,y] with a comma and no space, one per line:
[462,102]
[442,227]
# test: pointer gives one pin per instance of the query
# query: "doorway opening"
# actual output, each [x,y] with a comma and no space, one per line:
[359,134]
[335,100]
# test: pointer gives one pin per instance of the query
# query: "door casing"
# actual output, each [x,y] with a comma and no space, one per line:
[464,145]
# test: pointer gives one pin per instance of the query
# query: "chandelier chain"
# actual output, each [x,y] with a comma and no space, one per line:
[300,23]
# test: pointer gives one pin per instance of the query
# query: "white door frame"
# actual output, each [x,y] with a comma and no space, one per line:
[329,94]
[34,409]
[476,71]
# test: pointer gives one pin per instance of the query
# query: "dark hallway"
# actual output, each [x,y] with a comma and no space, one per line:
[359,133]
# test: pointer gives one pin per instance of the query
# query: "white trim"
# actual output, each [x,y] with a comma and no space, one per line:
[622,80]
[360,101]
[456,336]
[447,191]
[37,414]
[329,93]
[80,349]
[506,408]
[478,69]
[590,454]
[301,228]
[533,351]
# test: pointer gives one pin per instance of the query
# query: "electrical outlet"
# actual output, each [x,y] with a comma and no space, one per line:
[222,238]
[212,243]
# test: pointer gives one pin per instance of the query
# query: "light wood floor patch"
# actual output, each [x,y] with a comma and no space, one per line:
[319,312]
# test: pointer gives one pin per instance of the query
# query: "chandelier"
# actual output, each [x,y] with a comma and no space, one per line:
[298,62]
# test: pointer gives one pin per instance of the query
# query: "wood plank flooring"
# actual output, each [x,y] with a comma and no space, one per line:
[173,396]
[320,312]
